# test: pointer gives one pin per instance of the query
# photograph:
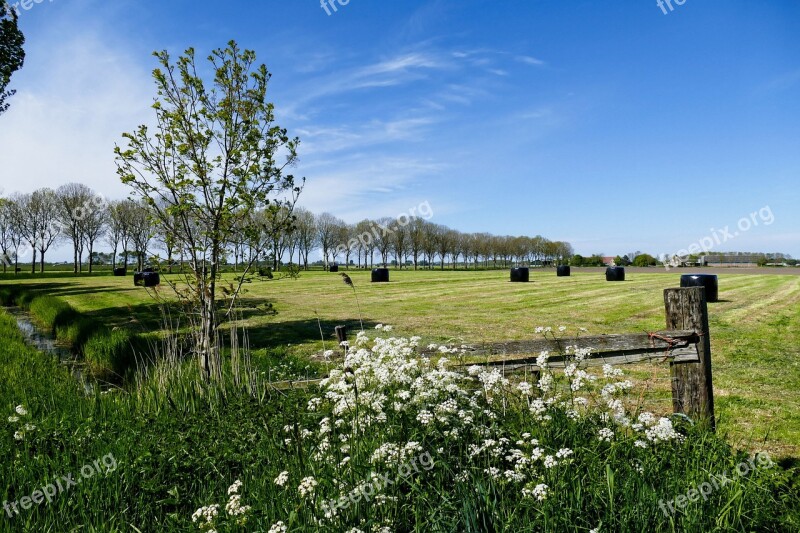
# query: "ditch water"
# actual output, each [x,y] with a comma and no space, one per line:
[45,342]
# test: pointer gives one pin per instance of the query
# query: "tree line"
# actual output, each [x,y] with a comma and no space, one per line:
[77,216]
[35,222]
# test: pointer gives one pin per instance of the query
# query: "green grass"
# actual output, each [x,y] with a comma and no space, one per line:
[178,446]
[755,328]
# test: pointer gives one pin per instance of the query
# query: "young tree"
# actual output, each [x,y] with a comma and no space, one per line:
[213,160]
[12,56]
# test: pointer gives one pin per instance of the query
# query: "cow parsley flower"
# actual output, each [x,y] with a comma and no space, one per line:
[206,515]
[21,410]
[282,478]
[278,527]
[605,434]
[307,486]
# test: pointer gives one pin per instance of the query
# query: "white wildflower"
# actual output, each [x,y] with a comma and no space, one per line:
[307,485]
[605,434]
[282,478]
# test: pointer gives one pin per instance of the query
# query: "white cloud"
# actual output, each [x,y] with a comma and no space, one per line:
[74,100]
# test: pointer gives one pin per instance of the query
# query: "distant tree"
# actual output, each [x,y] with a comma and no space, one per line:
[12,56]
[383,238]
[328,235]
[37,216]
[9,240]
[577,260]
[444,238]
[141,231]
[278,223]
[306,233]
[400,243]
[94,221]
[121,216]
[622,261]
[644,260]
[73,201]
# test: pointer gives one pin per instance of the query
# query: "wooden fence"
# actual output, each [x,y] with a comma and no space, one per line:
[685,344]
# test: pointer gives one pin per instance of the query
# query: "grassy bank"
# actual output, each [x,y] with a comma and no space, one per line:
[111,353]
[152,457]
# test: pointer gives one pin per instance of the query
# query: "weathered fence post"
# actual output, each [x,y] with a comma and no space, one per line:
[341,335]
[692,388]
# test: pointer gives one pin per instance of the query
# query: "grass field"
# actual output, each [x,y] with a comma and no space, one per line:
[755,327]
[166,446]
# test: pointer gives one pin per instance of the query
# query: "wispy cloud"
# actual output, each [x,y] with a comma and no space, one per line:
[365,185]
[329,139]
[529,60]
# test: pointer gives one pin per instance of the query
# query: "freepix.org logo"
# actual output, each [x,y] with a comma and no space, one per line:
[25,5]
[330,6]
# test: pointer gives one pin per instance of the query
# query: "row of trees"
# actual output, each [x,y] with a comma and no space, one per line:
[75,214]
[409,241]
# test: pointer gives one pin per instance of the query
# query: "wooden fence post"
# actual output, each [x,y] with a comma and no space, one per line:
[692,387]
[341,335]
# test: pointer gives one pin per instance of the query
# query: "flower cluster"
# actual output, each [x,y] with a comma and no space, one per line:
[19,413]
[206,517]
[387,403]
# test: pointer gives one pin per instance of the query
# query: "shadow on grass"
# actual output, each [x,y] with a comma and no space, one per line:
[304,331]
[147,317]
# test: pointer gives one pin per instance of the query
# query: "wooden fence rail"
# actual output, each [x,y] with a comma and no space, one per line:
[685,344]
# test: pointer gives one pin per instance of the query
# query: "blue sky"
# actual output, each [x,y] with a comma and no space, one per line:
[607,124]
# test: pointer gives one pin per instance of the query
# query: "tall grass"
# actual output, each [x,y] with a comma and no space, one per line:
[179,444]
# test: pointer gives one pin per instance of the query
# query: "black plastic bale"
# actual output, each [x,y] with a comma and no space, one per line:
[120,271]
[333,268]
[380,275]
[709,281]
[563,271]
[615,274]
[146,279]
[520,274]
